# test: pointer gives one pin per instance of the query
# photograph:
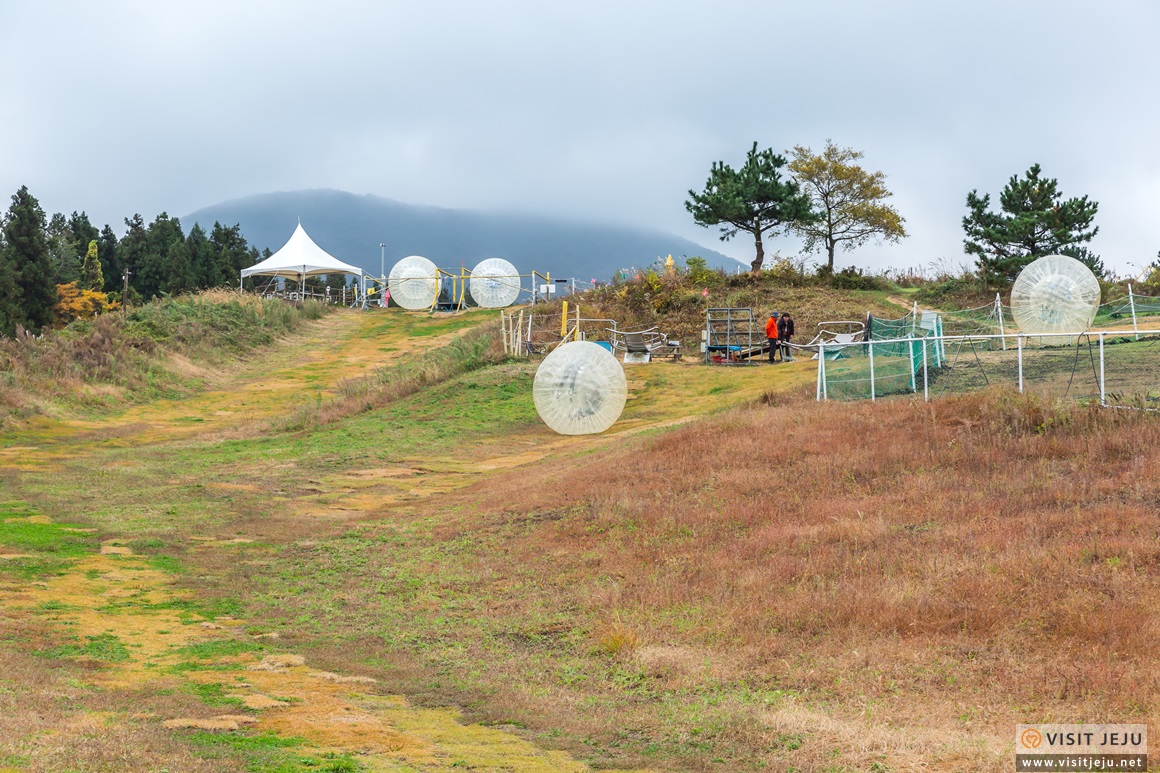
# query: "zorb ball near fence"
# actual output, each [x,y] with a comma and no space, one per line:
[580,389]
[494,283]
[414,283]
[1055,294]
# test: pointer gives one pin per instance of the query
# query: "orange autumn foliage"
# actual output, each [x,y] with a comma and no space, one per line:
[74,303]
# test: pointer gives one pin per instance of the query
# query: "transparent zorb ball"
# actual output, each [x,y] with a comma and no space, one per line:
[1055,294]
[580,389]
[414,283]
[494,283]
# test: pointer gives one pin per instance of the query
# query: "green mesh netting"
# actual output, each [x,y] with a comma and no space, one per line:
[1065,367]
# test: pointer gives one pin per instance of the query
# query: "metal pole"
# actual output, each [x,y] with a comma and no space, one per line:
[910,352]
[825,386]
[1103,392]
[925,384]
[999,311]
[870,346]
[1132,301]
[1019,342]
[821,366]
[382,274]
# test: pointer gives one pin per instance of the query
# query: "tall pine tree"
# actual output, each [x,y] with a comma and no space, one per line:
[231,255]
[155,270]
[110,263]
[132,249]
[1033,220]
[201,256]
[10,309]
[62,253]
[27,248]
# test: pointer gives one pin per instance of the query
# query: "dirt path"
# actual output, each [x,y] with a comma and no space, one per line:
[116,610]
[126,614]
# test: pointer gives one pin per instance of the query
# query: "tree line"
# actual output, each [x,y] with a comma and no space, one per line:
[47,263]
[833,203]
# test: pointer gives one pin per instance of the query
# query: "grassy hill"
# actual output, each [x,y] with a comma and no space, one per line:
[363,550]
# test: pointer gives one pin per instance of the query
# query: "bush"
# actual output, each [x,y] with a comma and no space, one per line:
[851,278]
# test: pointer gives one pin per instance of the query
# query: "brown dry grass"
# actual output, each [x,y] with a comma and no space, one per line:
[949,569]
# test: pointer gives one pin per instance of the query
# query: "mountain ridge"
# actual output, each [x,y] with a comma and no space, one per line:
[352,226]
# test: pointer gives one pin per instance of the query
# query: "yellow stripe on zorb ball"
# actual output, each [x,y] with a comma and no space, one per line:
[580,389]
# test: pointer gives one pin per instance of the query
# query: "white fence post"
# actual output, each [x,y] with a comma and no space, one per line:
[1103,391]
[1132,303]
[999,311]
[870,346]
[910,352]
[1019,341]
[925,386]
[825,380]
[821,368]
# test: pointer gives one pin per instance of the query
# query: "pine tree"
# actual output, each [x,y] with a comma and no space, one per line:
[1033,220]
[110,262]
[753,199]
[231,254]
[81,232]
[201,257]
[10,308]
[62,253]
[131,250]
[27,247]
[91,276]
[154,274]
[178,271]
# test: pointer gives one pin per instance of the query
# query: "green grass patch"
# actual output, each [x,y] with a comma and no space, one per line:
[208,650]
[48,548]
[165,564]
[105,647]
[214,694]
[270,753]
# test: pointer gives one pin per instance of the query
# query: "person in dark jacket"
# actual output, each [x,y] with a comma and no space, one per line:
[771,332]
[784,333]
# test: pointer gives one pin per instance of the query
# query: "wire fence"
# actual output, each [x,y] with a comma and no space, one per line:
[1129,312]
[1113,368]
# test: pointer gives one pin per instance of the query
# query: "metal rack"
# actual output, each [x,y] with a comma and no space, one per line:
[731,337]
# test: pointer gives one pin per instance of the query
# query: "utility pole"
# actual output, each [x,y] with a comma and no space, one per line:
[125,293]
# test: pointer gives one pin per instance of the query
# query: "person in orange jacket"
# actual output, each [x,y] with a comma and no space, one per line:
[771,334]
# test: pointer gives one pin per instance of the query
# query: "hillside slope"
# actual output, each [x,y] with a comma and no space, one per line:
[320,557]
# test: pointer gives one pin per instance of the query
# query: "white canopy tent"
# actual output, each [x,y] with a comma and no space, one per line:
[299,258]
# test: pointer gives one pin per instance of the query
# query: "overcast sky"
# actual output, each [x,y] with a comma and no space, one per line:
[608,111]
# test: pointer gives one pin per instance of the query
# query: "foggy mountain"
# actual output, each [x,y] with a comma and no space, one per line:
[350,227]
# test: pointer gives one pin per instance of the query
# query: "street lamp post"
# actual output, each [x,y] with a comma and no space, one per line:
[383,274]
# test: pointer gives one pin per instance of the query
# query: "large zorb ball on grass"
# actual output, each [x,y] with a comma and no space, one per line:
[414,283]
[580,389]
[1055,294]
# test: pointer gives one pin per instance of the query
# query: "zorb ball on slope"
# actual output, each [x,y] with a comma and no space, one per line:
[580,389]
[414,283]
[494,283]
[1055,294]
